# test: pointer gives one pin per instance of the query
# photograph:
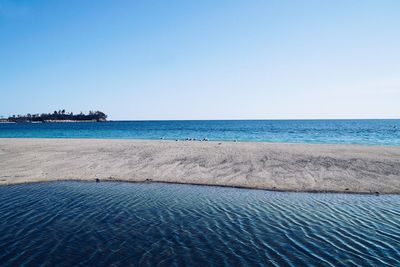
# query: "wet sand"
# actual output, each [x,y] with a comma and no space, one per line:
[274,166]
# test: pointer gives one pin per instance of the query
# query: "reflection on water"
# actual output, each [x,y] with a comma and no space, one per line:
[101,224]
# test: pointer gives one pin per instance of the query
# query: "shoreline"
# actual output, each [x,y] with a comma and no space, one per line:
[312,168]
[197,184]
[207,141]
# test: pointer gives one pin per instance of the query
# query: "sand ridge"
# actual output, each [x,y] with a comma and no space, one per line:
[274,166]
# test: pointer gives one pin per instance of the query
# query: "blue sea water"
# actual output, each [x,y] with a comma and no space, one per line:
[369,132]
[122,224]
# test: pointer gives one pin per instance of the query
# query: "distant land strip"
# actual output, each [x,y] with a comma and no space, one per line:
[272,166]
[57,116]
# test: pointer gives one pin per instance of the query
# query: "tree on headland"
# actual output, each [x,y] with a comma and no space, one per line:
[60,115]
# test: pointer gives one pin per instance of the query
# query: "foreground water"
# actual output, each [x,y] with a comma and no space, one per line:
[370,132]
[101,224]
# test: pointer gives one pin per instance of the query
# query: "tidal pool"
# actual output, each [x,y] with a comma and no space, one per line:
[127,224]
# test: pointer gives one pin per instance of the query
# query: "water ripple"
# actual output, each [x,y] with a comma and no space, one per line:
[119,224]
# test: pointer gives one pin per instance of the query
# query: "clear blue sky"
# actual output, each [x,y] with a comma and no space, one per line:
[202,59]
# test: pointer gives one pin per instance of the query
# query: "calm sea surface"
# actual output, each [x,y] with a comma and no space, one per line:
[370,132]
[106,224]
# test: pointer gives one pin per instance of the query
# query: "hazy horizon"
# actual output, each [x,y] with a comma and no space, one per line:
[184,60]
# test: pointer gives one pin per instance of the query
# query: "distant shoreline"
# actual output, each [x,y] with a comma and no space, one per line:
[51,121]
[57,116]
[271,166]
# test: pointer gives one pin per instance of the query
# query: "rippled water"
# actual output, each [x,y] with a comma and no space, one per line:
[101,224]
[371,132]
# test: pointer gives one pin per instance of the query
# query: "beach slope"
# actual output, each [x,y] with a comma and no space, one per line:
[275,166]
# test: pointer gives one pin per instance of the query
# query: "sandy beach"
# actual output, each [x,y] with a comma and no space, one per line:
[274,166]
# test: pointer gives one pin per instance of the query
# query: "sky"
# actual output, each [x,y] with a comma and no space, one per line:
[209,59]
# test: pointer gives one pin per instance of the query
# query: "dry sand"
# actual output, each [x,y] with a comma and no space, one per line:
[291,167]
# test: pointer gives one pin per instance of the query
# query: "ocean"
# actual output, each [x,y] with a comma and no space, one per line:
[366,132]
